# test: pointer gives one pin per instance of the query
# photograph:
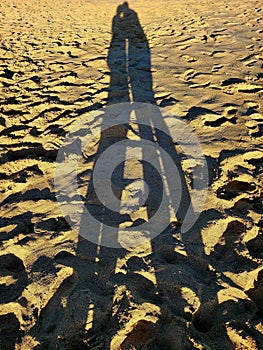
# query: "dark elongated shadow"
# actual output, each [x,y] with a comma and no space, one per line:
[94,298]
[129,61]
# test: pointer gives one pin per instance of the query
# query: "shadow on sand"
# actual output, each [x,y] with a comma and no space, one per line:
[110,287]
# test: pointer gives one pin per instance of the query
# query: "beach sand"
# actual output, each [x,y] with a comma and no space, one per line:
[202,289]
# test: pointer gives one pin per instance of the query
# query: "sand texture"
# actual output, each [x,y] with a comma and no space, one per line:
[200,60]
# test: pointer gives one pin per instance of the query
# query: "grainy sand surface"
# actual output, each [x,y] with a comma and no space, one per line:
[202,61]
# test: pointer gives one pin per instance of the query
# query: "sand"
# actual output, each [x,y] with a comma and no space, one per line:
[202,289]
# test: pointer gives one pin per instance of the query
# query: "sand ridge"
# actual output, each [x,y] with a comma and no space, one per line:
[201,290]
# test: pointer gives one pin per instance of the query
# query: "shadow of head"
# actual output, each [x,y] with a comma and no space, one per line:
[123,9]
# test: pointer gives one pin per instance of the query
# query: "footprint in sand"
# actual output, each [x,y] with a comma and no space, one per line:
[13,277]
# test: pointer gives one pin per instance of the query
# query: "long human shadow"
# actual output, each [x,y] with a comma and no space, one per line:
[95,297]
[129,61]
